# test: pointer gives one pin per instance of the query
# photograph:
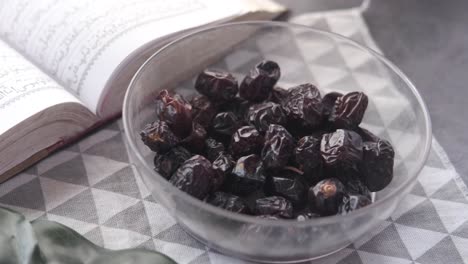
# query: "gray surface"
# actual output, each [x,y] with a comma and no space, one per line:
[428,40]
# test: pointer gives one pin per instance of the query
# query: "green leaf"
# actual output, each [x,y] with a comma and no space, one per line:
[47,242]
[17,239]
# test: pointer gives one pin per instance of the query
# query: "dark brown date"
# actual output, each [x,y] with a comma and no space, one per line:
[194,177]
[278,94]
[166,164]
[341,149]
[246,140]
[264,114]
[303,105]
[203,110]
[278,148]
[222,167]
[195,142]
[327,196]
[292,188]
[225,123]
[247,176]
[377,164]
[328,103]
[349,110]
[307,153]
[175,111]
[258,84]
[213,148]
[158,137]
[217,84]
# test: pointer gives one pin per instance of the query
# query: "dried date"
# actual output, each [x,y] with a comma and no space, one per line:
[247,175]
[377,164]
[222,167]
[195,142]
[159,137]
[194,177]
[246,140]
[341,149]
[225,123]
[349,110]
[278,148]
[213,148]
[203,110]
[303,105]
[166,164]
[292,188]
[327,196]
[264,114]
[258,84]
[175,111]
[217,85]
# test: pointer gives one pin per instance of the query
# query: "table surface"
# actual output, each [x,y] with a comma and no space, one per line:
[428,40]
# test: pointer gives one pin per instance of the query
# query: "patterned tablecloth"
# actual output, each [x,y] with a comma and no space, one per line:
[91,188]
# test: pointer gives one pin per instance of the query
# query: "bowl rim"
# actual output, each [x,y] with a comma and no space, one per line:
[327,220]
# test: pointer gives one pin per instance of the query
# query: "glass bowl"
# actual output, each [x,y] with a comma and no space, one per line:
[396,112]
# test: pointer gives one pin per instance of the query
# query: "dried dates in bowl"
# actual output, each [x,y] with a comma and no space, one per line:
[251,147]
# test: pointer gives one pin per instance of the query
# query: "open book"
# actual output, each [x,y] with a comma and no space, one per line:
[65,65]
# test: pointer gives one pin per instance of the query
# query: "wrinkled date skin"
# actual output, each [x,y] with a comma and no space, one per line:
[349,110]
[195,142]
[222,167]
[257,85]
[166,164]
[377,165]
[246,140]
[278,148]
[342,149]
[213,148]
[307,153]
[353,202]
[327,196]
[328,103]
[159,137]
[247,175]
[203,110]
[225,123]
[278,94]
[228,202]
[174,110]
[217,85]
[303,105]
[264,114]
[194,177]
[293,189]
[274,205]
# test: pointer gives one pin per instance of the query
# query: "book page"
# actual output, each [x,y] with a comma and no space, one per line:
[24,89]
[81,43]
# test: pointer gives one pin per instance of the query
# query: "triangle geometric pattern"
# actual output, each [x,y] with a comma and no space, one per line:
[90,186]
